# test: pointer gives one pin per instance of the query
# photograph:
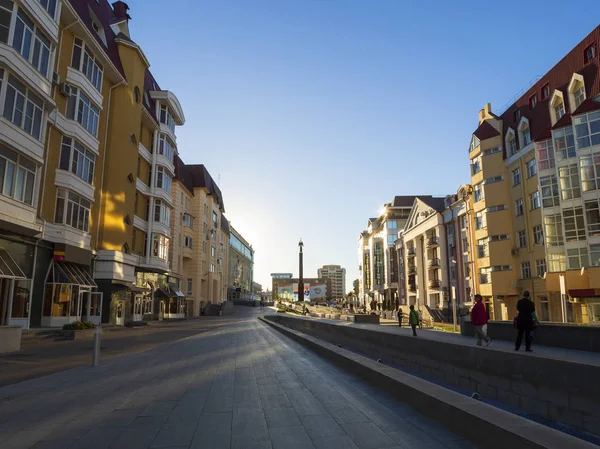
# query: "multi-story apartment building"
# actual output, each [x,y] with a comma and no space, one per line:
[276,279]
[378,270]
[241,267]
[337,274]
[535,176]
[202,233]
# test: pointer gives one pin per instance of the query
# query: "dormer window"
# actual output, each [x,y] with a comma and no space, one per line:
[511,143]
[579,96]
[474,143]
[589,53]
[576,91]
[556,106]
[545,91]
[559,110]
[524,133]
[533,101]
[517,115]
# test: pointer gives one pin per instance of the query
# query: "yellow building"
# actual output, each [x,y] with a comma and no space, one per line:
[535,171]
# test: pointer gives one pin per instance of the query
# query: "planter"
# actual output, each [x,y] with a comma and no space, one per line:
[10,339]
[84,334]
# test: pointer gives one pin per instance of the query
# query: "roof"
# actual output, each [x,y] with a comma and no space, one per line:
[485,131]
[565,120]
[225,224]
[407,201]
[437,203]
[197,176]
[558,77]
[588,105]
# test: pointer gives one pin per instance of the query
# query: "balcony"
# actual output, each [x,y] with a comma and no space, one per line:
[433,242]
[433,263]
[411,252]
[187,252]
[434,283]
[412,269]
[412,288]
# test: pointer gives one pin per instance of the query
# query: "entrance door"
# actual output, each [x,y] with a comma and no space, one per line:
[137,308]
[120,319]
[95,307]
[84,299]
[4,299]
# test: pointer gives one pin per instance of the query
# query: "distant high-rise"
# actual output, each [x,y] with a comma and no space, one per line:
[337,274]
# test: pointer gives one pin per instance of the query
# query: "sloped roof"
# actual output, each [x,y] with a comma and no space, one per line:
[197,176]
[436,203]
[485,131]
[225,224]
[407,200]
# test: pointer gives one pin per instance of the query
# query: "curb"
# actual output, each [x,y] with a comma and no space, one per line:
[478,422]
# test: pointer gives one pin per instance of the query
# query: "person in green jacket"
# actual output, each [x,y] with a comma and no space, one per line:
[413,320]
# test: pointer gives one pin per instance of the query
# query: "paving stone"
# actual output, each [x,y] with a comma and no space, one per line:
[336,442]
[346,414]
[318,426]
[282,417]
[213,431]
[99,438]
[367,435]
[290,438]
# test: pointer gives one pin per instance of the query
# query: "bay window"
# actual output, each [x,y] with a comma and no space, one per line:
[557,263]
[549,186]
[49,6]
[72,210]
[78,160]
[160,246]
[577,258]
[590,172]
[564,143]
[6,8]
[574,224]
[569,182]
[545,152]
[587,129]
[595,255]
[23,108]
[84,61]
[81,109]
[17,176]
[165,148]
[163,179]
[554,230]
[162,213]
[592,215]
[31,43]
[166,118]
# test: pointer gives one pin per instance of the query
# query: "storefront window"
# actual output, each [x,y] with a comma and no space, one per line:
[20,307]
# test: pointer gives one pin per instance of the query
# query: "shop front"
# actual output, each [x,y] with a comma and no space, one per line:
[142,303]
[172,303]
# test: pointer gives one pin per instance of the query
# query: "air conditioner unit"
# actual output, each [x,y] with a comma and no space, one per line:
[55,78]
[514,251]
[65,90]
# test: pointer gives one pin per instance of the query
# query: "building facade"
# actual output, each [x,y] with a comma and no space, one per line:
[240,268]
[276,279]
[315,289]
[337,274]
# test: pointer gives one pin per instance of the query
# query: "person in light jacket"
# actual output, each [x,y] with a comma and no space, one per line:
[413,319]
[479,321]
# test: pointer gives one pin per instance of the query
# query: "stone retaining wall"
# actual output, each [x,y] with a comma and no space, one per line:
[558,390]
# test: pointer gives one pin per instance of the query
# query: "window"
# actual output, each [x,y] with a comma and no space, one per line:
[538,235]
[492,151]
[392,224]
[511,144]
[212,251]
[476,165]
[76,159]
[215,218]
[587,129]
[533,101]
[84,61]
[162,213]
[463,222]
[541,267]
[187,242]
[545,153]
[496,208]
[474,143]
[160,246]
[480,222]
[557,263]
[516,176]
[485,275]
[531,168]
[579,96]
[17,175]
[595,255]
[545,91]
[554,230]
[517,115]
[72,210]
[6,8]
[592,215]
[136,94]
[564,143]
[499,238]
[493,180]
[549,186]
[534,200]
[525,135]
[482,248]
[204,247]
[589,53]
[577,258]
[522,239]
[519,210]
[163,179]
[166,118]
[189,286]
[23,108]
[569,182]
[165,148]
[465,245]
[574,224]
[31,43]
[477,192]
[188,221]
[391,239]
[590,172]
[81,109]
[525,270]
[212,267]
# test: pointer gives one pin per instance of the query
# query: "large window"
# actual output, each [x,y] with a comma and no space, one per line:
[541,267]
[531,168]
[549,186]
[85,61]
[31,42]
[165,148]
[81,108]
[166,118]
[17,175]
[519,209]
[476,165]
[569,182]
[477,192]
[592,215]
[522,239]
[587,129]
[538,235]
[564,143]
[480,221]
[578,257]
[590,172]
[76,159]
[545,153]
[574,224]
[534,200]
[482,248]
[557,263]
[163,179]
[525,270]
[554,230]
[516,176]
[595,255]
[72,210]
[188,221]
[160,246]
[6,8]
[50,6]
[23,107]
[485,275]
[162,213]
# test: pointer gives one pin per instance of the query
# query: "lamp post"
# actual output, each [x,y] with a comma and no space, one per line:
[301,276]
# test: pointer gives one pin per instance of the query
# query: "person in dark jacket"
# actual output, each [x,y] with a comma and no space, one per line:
[525,308]
[400,313]
[479,321]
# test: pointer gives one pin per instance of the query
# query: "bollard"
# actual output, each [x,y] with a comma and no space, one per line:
[96,360]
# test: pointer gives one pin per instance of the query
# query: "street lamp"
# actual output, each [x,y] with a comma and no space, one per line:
[301,275]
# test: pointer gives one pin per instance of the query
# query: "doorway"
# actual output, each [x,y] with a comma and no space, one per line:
[120,314]
[138,313]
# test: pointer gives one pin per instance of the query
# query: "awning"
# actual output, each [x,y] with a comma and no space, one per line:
[8,267]
[69,273]
[180,294]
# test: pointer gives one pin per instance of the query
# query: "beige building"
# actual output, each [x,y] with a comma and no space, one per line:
[240,268]
[337,274]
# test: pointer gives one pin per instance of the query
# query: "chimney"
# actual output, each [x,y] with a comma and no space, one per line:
[485,112]
[120,10]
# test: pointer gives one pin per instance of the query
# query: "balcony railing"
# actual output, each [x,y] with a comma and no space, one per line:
[433,241]
[412,288]
[434,283]
[412,269]
[433,263]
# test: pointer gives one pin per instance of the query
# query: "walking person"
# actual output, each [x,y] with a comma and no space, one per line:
[420,319]
[413,319]
[479,321]
[524,321]
[400,316]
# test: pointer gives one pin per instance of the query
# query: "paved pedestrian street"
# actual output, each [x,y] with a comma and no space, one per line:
[238,386]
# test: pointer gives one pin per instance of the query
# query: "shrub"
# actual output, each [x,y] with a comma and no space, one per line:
[281,310]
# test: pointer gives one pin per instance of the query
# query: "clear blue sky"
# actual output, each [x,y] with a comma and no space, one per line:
[316,112]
